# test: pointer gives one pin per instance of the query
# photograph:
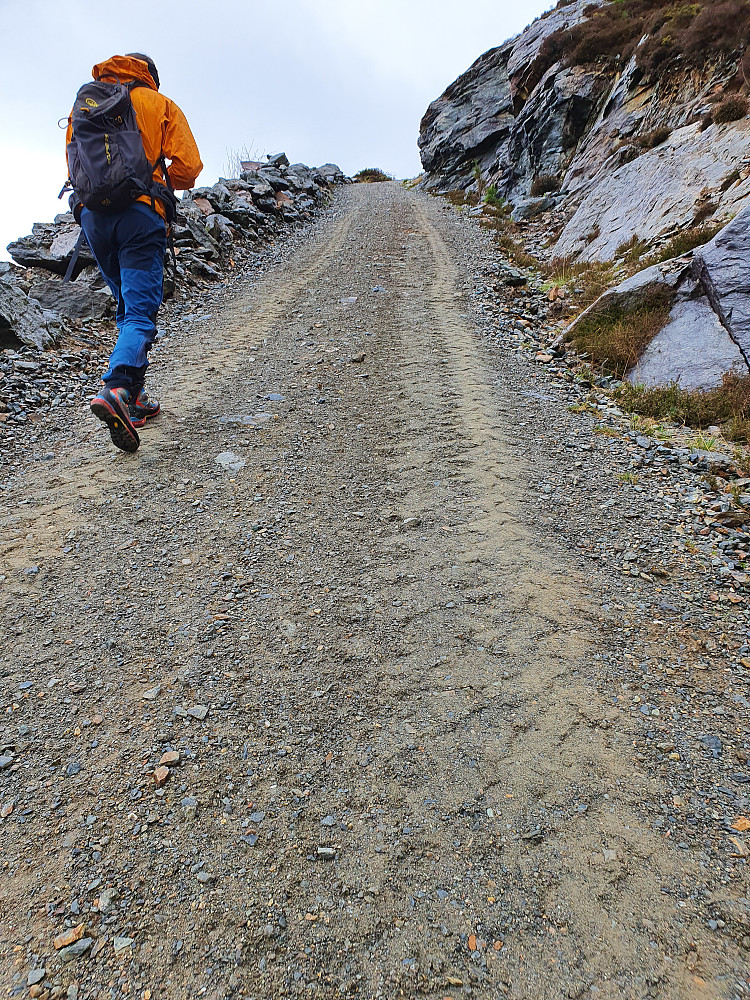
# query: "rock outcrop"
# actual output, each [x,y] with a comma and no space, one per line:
[625,155]
[626,151]
[213,225]
[708,330]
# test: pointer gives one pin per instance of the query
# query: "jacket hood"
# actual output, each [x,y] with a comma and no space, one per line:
[124,68]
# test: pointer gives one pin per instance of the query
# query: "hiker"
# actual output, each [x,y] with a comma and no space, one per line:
[120,134]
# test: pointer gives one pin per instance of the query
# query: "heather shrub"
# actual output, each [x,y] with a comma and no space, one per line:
[731,109]
[544,184]
[690,33]
[650,140]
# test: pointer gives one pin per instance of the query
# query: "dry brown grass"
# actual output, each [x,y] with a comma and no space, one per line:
[459,197]
[731,109]
[727,406]
[590,278]
[691,34]
[615,339]
[683,243]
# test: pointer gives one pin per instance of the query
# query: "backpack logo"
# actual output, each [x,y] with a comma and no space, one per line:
[91,103]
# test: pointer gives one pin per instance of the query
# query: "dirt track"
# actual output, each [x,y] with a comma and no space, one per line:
[396,663]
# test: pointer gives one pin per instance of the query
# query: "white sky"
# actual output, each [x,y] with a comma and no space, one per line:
[324,80]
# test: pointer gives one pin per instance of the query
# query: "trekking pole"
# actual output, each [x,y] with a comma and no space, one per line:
[74,257]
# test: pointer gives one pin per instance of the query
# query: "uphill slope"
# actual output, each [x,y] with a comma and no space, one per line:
[322,584]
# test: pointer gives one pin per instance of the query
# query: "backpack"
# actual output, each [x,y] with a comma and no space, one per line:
[106,160]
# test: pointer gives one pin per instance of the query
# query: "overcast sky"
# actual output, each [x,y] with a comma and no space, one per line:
[324,80]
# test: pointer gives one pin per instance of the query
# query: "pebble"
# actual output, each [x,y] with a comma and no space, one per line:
[121,944]
[74,951]
[36,976]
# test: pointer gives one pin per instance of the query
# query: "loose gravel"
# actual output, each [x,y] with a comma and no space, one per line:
[397,662]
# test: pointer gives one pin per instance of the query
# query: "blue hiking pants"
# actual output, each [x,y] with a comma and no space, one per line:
[129,248]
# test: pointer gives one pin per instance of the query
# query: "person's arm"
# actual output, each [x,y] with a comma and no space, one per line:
[179,146]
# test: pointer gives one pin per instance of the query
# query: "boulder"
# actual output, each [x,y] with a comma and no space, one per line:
[528,208]
[723,269]
[329,173]
[23,316]
[693,350]
[219,228]
[51,246]
[84,298]
[707,333]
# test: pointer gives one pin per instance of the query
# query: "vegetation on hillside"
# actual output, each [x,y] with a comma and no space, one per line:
[372,175]
[676,33]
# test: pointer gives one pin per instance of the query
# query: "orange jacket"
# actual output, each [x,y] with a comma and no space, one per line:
[163,127]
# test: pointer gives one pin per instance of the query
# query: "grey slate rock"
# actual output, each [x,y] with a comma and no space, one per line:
[723,268]
[24,316]
[51,246]
[693,350]
[74,300]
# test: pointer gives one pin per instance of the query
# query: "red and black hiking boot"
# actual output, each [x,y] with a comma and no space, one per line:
[112,406]
[143,409]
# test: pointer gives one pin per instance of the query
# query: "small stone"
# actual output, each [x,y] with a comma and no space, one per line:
[358,359]
[190,807]
[152,694]
[5,762]
[228,460]
[198,712]
[161,774]
[205,877]
[76,950]
[73,768]
[38,991]
[328,821]
[106,899]
[122,944]
[36,976]
[69,937]
[169,757]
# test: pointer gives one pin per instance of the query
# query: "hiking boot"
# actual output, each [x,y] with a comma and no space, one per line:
[143,409]
[112,406]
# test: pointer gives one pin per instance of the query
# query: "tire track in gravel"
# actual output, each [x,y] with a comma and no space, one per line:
[407,784]
[86,478]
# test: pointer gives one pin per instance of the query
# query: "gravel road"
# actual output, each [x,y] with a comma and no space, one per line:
[313,696]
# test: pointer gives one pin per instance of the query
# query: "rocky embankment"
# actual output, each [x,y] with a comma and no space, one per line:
[627,146]
[55,337]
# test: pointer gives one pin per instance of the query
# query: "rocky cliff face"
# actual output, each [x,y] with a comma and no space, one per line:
[627,155]
[628,150]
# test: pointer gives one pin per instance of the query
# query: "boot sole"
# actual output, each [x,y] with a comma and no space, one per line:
[122,432]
